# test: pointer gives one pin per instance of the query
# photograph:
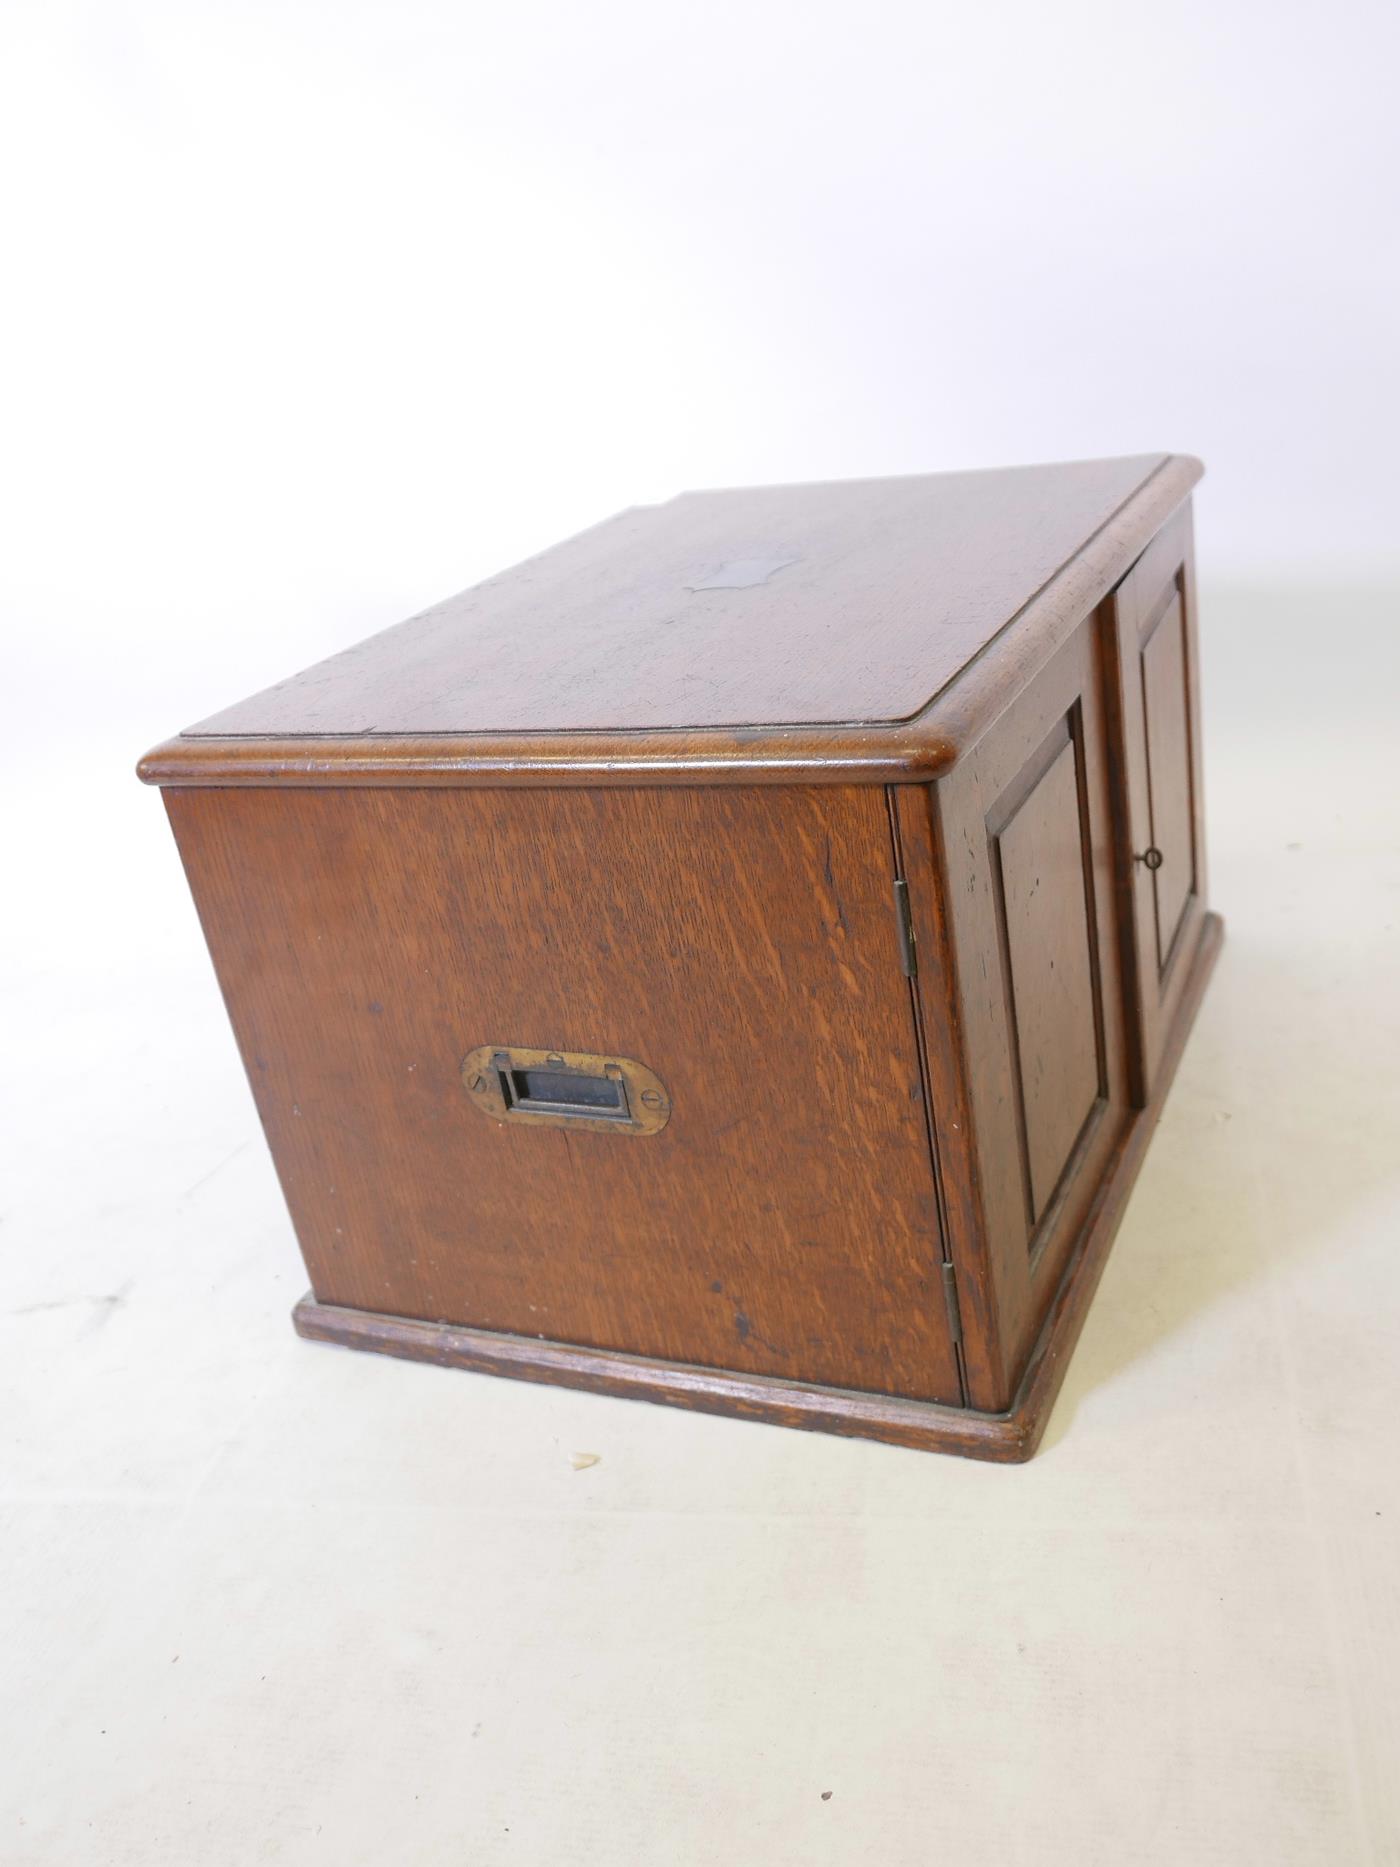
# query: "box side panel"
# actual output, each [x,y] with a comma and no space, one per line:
[741,945]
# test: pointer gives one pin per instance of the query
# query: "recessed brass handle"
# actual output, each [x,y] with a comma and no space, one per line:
[565,1089]
[1150,858]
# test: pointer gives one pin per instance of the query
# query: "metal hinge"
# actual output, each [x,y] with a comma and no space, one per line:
[950,1297]
[908,956]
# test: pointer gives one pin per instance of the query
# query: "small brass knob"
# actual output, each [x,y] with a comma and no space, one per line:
[1150,858]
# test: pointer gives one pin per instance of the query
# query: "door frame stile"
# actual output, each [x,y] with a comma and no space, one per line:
[947,1103]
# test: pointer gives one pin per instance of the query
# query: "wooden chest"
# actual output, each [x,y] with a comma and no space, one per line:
[737,957]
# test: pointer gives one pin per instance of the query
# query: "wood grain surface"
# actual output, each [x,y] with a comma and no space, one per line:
[742,945]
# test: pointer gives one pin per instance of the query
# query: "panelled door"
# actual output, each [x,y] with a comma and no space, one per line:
[1153,678]
[1030,976]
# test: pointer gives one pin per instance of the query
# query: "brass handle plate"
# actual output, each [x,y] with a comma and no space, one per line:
[565,1089]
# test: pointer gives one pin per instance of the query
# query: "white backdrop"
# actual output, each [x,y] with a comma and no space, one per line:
[315,313]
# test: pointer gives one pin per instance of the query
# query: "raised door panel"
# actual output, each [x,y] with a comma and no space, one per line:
[1161,880]
[1024,968]
[1044,886]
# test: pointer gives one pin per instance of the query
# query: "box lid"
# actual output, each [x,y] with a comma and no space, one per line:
[825,613]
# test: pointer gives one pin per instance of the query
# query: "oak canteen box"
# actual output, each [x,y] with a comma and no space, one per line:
[735,958]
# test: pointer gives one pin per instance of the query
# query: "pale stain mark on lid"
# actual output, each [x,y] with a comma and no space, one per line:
[743,573]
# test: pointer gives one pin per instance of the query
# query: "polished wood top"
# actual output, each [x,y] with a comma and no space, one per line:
[847,603]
